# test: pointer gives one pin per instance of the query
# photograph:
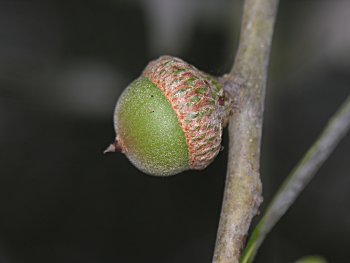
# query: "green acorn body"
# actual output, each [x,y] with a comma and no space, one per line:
[170,119]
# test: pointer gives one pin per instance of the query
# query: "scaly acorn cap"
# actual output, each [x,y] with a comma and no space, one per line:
[171,118]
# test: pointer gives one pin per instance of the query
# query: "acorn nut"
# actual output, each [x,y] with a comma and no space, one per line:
[170,119]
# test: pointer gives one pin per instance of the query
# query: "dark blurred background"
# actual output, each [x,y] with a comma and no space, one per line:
[63,65]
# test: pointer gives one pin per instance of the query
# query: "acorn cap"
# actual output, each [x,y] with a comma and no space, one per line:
[177,105]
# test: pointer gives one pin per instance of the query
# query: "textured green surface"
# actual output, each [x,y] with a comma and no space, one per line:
[149,129]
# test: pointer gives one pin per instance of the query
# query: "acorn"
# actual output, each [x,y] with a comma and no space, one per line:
[171,118]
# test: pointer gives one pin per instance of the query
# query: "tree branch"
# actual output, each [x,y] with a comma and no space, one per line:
[242,195]
[337,128]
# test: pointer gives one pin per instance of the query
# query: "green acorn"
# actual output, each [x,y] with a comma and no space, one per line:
[170,119]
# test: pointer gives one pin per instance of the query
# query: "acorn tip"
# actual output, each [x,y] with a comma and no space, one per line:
[114,147]
[110,148]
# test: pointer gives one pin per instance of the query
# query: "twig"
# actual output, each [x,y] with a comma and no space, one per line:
[242,195]
[296,181]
